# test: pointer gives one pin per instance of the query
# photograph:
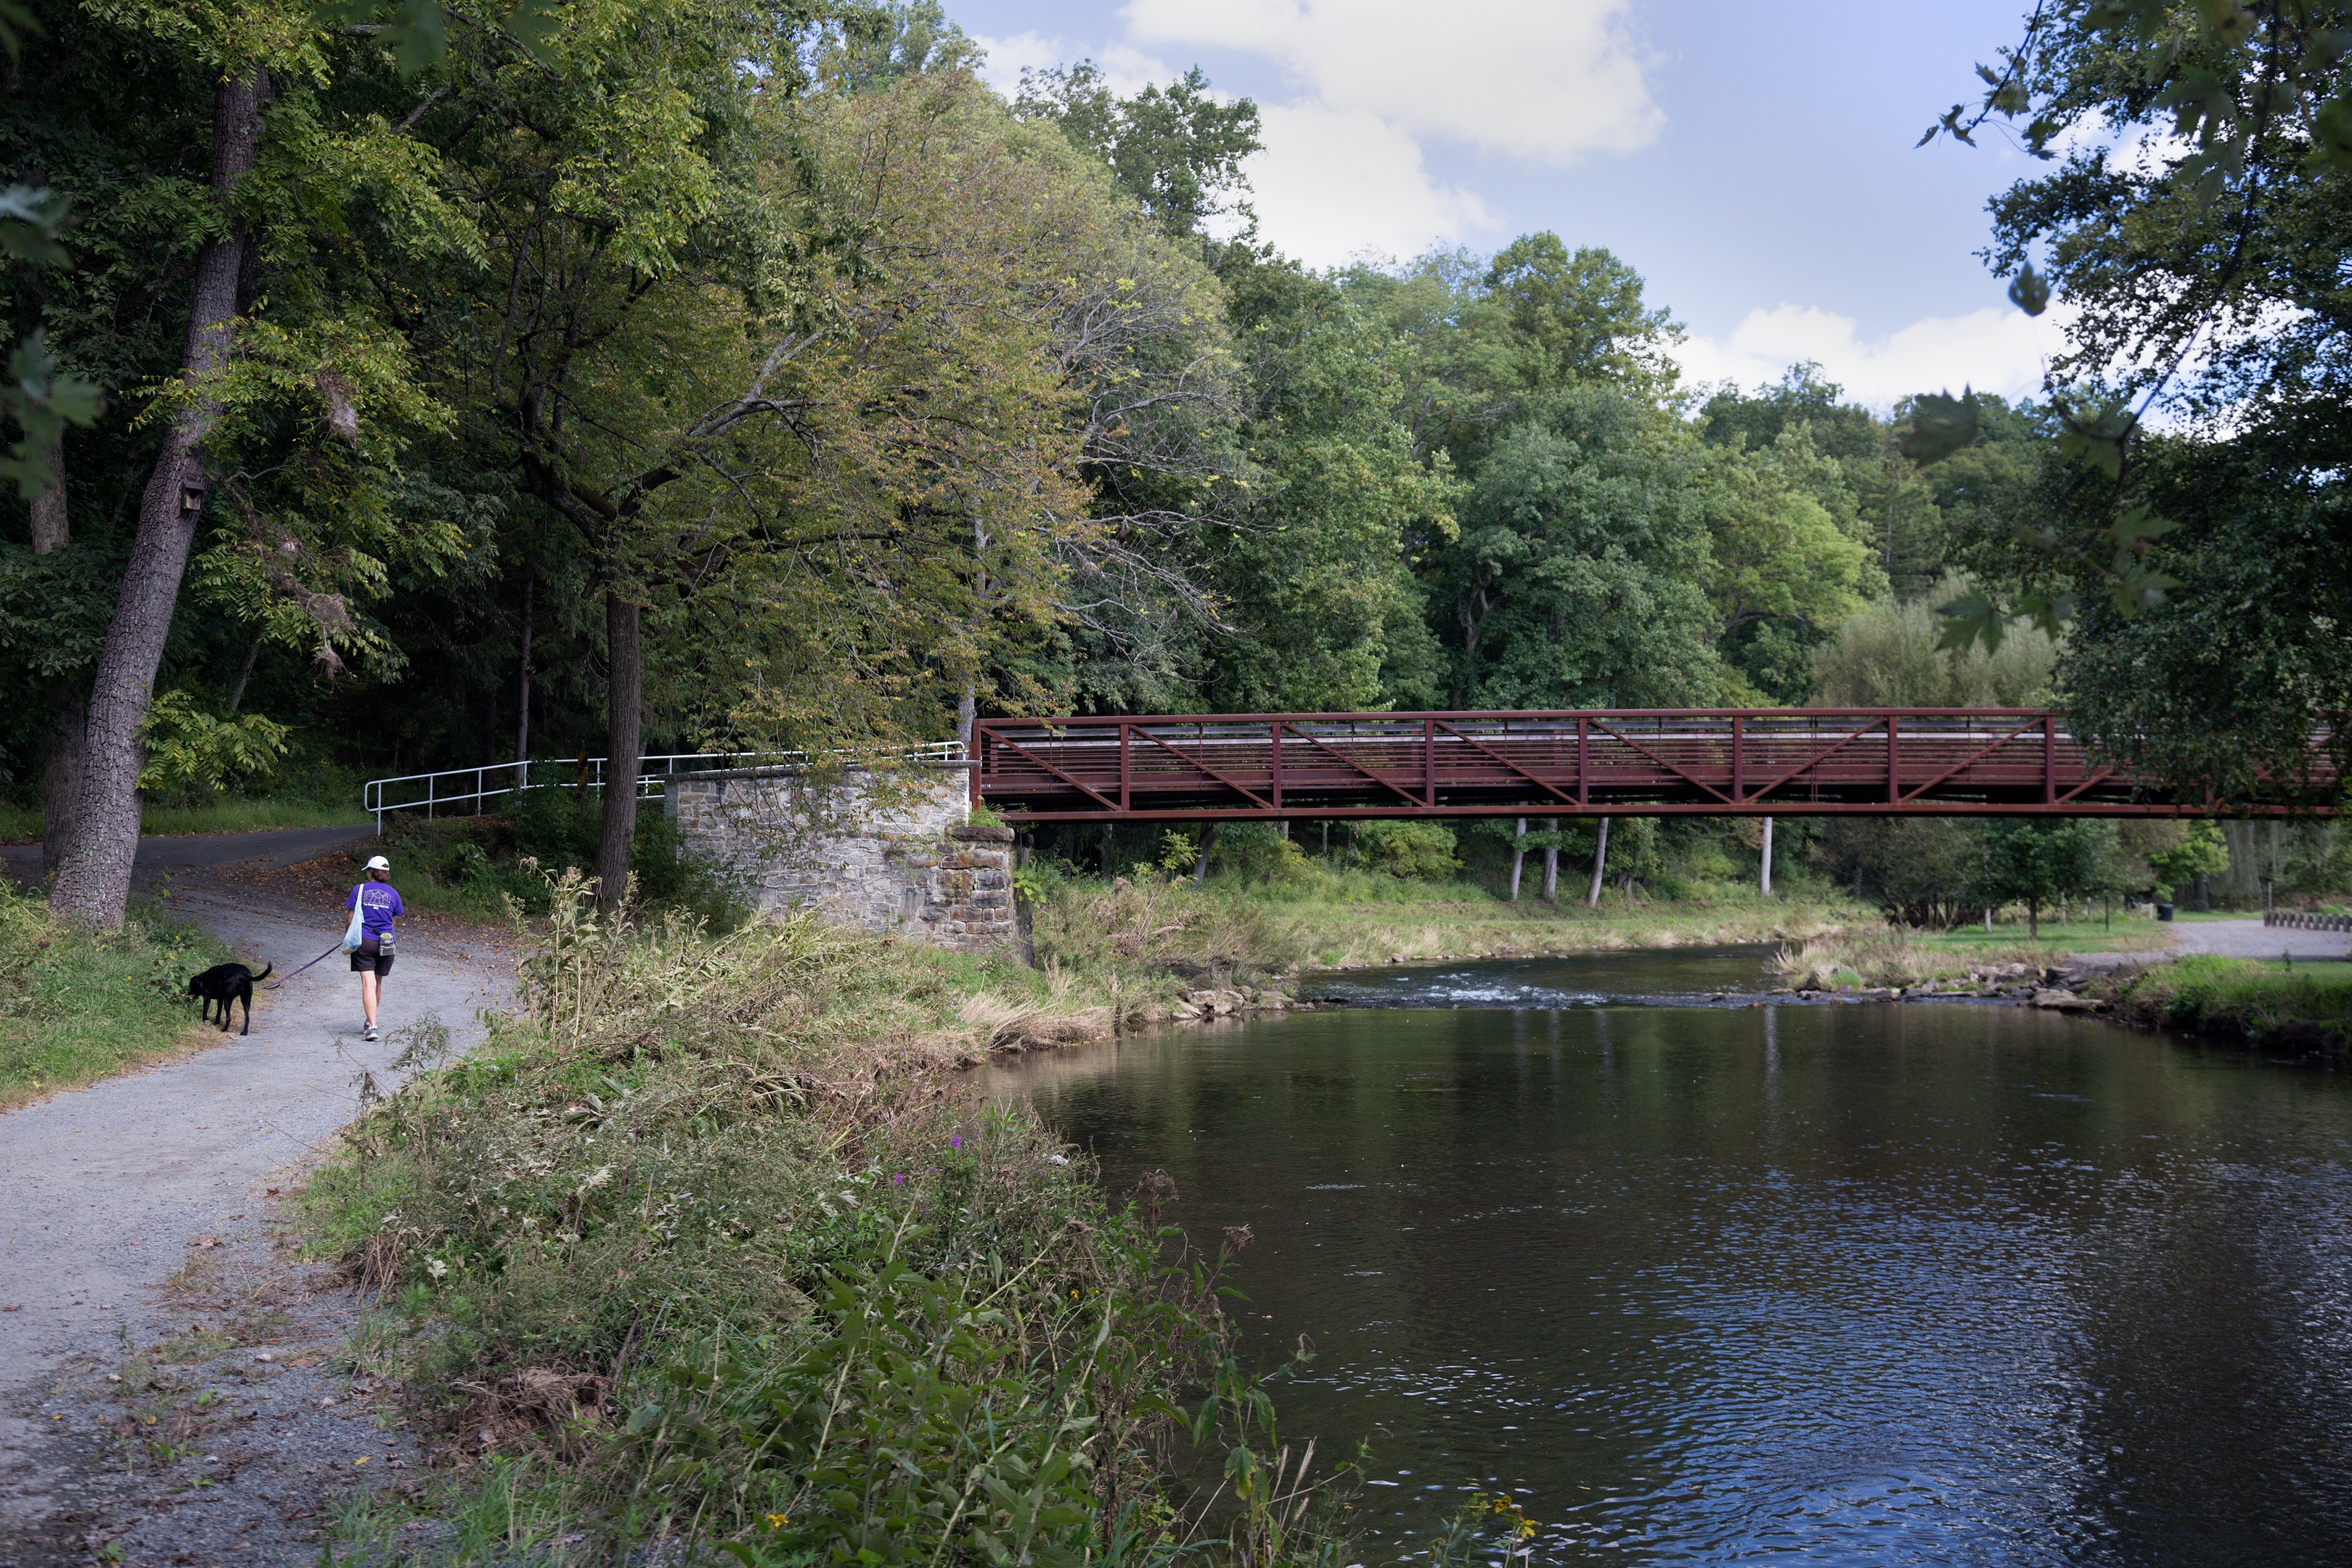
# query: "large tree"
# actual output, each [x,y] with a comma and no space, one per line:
[2196,228]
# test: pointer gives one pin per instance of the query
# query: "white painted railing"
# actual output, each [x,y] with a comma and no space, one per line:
[463,791]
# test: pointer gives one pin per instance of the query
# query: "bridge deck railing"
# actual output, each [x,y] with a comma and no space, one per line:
[1711,762]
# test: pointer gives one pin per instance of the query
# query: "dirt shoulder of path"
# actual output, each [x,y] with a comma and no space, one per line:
[139,1244]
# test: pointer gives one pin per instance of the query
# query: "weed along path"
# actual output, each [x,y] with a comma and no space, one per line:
[140,1206]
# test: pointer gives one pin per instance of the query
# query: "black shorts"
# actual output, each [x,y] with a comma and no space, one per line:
[371,959]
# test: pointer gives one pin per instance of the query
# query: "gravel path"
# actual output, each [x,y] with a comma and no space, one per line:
[2229,939]
[111,1187]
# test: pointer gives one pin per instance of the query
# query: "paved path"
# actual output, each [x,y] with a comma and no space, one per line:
[2231,939]
[269,849]
[2252,939]
[106,1185]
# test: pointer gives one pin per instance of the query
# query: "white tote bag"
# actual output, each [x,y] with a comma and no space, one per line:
[355,932]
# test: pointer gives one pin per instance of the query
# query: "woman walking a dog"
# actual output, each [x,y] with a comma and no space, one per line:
[376,902]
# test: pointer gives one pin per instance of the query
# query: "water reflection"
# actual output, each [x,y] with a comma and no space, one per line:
[1868,1285]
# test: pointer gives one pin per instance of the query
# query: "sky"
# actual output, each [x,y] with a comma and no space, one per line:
[1753,160]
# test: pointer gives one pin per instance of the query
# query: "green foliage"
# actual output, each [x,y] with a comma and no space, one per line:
[1261,853]
[2245,999]
[2201,852]
[2036,860]
[76,1007]
[1575,580]
[2221,687]
[192,753]
[841,1320]
[477,866]
[1419,851]
[1893,655]
[1178,150]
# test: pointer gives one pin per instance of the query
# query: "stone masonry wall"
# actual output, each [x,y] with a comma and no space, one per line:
[902,856]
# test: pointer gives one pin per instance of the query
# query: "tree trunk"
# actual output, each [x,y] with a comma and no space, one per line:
[1200,864]
[624,702]
[50,527]
[244,675]
[1765,883]
[967,715]
[1551,862]
[93,881]
[523,682]
[1518,859]
[1599,866]
[61,752]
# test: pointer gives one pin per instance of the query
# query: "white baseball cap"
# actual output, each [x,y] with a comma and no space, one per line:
[379,864]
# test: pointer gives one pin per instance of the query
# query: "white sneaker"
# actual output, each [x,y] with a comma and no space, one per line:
[369,1033]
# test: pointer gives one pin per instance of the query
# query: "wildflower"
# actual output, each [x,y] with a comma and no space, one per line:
[435,1267]
[899,1180]
[956,1141]
[777,1521]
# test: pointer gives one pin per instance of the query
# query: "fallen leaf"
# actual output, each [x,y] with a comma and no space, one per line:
[18,1307]
[269,1192]
[358,1462]
[205,1241]
[237,1217]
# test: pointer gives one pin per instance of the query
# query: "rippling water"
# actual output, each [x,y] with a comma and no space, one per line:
[1881,1285]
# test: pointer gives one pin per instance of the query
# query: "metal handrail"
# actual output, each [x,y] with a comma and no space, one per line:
[588,773]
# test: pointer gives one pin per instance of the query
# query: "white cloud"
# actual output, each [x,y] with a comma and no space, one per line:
[1552,79]
[1343,172]
[1126,70]
[1999,350]
[1333,184]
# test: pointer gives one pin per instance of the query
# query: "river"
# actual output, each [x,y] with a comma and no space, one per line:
[1703,1281]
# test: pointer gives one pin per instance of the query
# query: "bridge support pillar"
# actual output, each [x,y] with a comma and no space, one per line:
[896,853]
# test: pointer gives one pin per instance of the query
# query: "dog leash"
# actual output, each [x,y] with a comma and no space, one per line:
[320,959]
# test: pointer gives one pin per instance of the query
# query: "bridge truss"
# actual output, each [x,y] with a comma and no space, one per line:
[1786,762]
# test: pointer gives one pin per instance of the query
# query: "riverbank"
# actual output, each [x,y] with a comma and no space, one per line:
[1136,927]
[699,1253]
[2303,1005]
[2305,1008]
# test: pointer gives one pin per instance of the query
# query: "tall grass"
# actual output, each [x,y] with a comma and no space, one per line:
[2249,999]
[1342,918]
[699,1252]
[75,1007]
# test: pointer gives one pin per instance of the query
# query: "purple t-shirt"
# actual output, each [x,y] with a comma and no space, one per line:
[377,902]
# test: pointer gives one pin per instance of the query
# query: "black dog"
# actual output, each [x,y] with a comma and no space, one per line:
[226,984]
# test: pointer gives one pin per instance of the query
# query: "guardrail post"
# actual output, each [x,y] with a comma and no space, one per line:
[1125,782]
[1583,756]
[1738,762]
[1894,774]
[1429,761]
[2049,759]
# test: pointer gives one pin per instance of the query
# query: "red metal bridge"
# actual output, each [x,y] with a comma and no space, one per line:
[1784,762]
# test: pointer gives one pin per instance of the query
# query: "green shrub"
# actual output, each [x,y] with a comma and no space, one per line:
[1260,852]
[697,1226]
[1422,851]
[76,1007]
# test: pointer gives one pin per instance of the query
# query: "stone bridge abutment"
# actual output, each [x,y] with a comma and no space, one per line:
[895,852]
